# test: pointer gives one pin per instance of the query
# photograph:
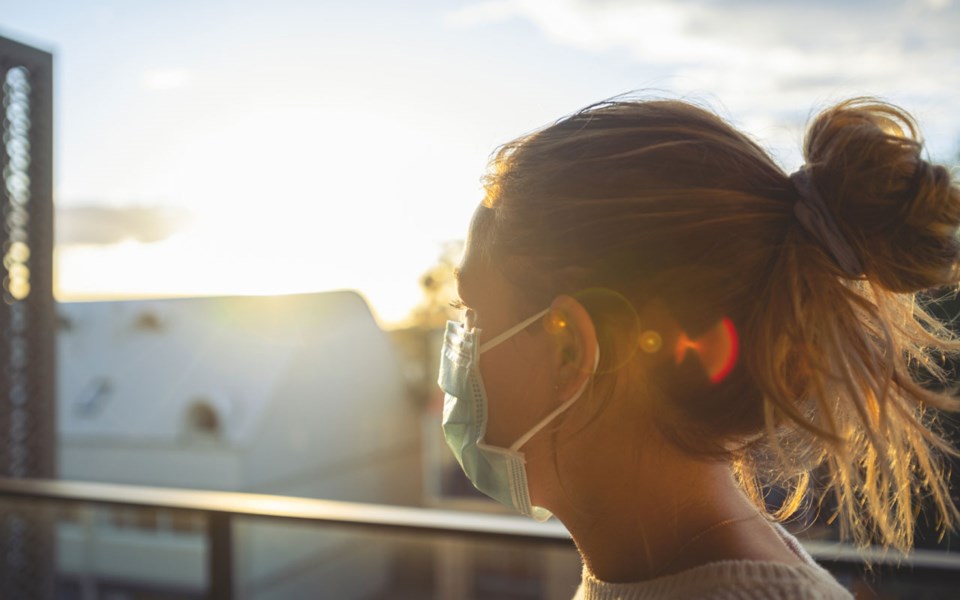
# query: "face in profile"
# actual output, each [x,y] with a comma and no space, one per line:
[516,374]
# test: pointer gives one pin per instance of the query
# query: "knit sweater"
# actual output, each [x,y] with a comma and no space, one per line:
[728,580]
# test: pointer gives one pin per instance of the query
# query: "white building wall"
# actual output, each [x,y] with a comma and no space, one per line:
[212,468]
[309,400]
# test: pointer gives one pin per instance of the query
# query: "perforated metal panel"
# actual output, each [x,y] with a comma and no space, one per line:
[27,424]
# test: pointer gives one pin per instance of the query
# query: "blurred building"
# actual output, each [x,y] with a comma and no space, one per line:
[296,395]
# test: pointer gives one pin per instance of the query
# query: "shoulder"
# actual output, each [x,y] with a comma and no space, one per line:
[728,580]
[746,580]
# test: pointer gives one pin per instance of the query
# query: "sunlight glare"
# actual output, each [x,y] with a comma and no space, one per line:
[310,203]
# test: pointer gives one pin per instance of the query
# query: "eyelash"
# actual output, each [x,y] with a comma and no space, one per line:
[457,304]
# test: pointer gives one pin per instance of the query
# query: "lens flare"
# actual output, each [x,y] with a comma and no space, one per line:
[651,342]
[554,322]
[717,349]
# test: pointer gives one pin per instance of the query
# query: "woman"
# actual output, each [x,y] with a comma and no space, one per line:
[671,326]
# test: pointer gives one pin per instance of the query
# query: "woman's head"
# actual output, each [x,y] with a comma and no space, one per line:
[536,364]
[658,216]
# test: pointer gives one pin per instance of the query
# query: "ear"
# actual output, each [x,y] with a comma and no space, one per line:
[576,338]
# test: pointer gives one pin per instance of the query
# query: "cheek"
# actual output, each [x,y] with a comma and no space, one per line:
[517,396]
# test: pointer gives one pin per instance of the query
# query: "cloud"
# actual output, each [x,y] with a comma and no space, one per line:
[763,57]
[165,79]
[101,225]
[784,37]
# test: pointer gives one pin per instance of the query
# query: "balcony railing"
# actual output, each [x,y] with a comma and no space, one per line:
[377,527]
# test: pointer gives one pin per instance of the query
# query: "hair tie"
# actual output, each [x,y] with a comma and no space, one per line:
[814,216]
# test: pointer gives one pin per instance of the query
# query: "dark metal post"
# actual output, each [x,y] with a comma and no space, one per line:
[220,555]
[27,423]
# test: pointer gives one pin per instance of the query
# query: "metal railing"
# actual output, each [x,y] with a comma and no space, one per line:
[222,509]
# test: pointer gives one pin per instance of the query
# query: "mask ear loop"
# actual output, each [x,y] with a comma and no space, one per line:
[536,428]
[512,331]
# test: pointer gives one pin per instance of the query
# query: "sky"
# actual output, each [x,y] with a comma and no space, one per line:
[235,147]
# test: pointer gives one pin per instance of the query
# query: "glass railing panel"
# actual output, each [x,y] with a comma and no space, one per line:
[141,547]
[86,551]
[277,561]
[92,547]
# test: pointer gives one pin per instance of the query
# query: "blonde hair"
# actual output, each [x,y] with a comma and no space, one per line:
[661,199]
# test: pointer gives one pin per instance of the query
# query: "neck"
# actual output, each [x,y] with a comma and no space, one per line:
[659,535]
[635,517]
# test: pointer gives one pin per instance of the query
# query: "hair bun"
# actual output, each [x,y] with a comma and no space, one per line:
[898,212]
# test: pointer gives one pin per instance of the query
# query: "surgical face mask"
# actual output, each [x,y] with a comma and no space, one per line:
[497,472]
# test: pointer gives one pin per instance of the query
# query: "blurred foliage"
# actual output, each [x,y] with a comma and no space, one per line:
[439,288]
[418,341]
